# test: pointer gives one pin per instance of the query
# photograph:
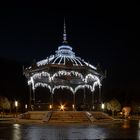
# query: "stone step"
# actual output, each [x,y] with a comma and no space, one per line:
[101,115]
[68,116]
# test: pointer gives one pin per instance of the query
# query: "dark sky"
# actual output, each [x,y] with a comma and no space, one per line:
[104,33]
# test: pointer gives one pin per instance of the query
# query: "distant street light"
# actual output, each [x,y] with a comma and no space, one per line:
[103,106]
[16,106]
[73,106]
[26,106]
[50,106]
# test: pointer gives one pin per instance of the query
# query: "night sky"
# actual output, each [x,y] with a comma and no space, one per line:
[105,34]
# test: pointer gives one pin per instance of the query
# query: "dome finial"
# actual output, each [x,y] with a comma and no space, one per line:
[64,33]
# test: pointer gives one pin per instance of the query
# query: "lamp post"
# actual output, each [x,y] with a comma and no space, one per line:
[73,107]
[16,106]
[26,107]
[50,107]
[103,106]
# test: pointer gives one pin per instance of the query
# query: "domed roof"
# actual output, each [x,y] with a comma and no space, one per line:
[65,56]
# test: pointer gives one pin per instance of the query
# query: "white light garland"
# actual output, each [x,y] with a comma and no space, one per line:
[31,82]
[39,84]
[39,75]
[65,47]
[93,79]
[90,65]
[62,87]
[83,86]
[67,73]
[91,76]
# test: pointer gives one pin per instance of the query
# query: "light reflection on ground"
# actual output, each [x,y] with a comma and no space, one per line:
[16,132]
[125,130]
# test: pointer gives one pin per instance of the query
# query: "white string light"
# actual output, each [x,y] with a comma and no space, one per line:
[64,53]
[90,81]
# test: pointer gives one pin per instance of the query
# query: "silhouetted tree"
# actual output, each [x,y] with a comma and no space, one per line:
[4,104]
[113,105]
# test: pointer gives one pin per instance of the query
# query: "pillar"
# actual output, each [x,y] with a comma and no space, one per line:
[30,96]
[100,98]
[74,102]
[84,100]
[52,100]
[92,104]
[34,96]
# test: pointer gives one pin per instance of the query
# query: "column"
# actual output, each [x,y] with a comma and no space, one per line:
[30,96]
[100,100]
[34,96]
[74,105]
[92,101]
[84,100]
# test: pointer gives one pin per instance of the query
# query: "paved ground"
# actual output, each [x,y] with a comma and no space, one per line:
[122,130]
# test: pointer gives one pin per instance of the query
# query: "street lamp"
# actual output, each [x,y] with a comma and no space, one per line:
[62,107]
[50,107]
[103,106]
[16,106]
[26,106]
[73,106]
[16,103]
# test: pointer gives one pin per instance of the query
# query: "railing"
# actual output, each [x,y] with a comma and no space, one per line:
[90,116]
[47,116]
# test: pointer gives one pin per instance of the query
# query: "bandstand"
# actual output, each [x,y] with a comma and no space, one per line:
[63,70]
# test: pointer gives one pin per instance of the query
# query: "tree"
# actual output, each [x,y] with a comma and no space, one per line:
[126,111]
[4,103]
[113,105]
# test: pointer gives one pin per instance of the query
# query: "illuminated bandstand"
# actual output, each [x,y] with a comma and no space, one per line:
[63,70]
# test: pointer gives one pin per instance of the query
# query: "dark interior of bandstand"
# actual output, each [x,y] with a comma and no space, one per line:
[84,100]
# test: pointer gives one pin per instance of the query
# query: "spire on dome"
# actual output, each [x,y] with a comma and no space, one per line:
[64,34]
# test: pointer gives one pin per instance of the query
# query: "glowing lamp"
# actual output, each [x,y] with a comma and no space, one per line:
[50,106]
[16,103]
[73,106]
[62,107]
[26,106]
[103,106]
